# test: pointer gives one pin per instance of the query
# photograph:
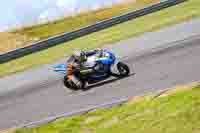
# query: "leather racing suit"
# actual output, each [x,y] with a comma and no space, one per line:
[75,67]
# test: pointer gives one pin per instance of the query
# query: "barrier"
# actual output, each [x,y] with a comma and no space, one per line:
[53,41]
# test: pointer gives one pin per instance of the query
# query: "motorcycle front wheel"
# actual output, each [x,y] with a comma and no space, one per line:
[123,69]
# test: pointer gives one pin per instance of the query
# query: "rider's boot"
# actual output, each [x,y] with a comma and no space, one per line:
[77,81]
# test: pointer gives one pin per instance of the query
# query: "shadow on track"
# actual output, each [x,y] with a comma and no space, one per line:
[107,81]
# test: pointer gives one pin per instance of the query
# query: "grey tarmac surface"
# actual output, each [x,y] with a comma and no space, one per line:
[160,59]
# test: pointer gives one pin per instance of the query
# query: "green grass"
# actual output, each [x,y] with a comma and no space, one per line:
[152,22]
[84,19]
[26,36]
[177,112]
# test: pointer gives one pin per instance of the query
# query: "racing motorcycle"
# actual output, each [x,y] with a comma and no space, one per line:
[102,66]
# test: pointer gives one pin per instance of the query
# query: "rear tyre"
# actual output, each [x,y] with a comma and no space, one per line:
[73,86]
[66,83]
[123,69]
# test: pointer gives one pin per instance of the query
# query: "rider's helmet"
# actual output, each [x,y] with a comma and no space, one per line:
[80,56]
[99,52]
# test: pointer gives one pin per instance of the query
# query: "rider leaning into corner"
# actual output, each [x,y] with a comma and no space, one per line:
[78,62]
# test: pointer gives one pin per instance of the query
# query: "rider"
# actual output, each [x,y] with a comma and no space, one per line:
[77,62]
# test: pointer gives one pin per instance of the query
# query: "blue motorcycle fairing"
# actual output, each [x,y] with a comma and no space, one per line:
[107,60]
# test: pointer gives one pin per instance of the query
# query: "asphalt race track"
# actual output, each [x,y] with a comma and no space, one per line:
[162,59]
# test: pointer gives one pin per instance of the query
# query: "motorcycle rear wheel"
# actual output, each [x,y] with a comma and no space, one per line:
[72,85]
[66,83]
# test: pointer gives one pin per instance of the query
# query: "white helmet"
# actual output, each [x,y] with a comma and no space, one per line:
[79,55]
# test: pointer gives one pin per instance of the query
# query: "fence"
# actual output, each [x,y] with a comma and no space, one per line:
[53,41]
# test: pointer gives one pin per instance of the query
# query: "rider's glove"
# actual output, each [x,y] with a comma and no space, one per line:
[97,50]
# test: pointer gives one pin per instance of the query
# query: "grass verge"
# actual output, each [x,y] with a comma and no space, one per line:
[84,19]
[152,22]
[11,41]
[175,112]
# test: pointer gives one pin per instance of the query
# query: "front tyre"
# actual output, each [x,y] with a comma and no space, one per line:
[123,69]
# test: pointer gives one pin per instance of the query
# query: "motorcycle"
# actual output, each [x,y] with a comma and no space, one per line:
[102,67]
